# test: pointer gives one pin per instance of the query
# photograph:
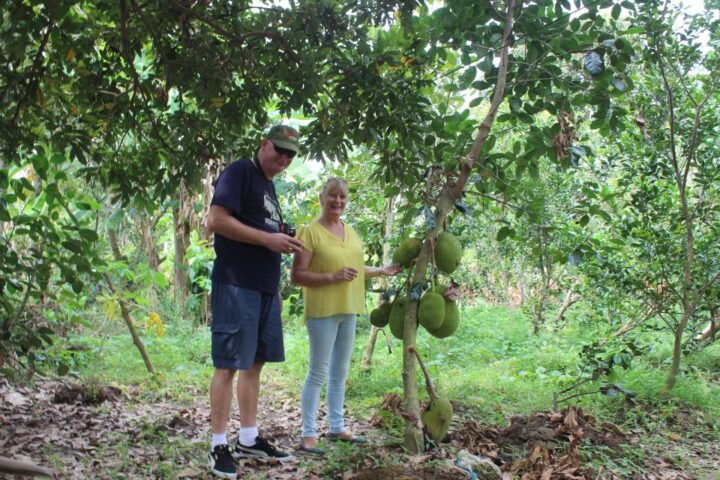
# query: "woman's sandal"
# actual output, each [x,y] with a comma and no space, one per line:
[313,450]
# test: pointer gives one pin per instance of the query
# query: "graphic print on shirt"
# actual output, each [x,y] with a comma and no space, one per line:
[272,209]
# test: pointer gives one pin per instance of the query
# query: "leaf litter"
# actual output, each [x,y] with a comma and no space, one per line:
[108,432]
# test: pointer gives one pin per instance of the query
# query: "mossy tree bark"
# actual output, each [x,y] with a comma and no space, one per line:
[449,196]
[183,223]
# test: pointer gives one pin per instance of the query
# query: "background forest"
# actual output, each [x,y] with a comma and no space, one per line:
[570,145]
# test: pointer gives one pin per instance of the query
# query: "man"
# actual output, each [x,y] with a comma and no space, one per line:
[250,236]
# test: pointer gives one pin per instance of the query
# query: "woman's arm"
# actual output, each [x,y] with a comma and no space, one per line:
[301,274]
[386,271]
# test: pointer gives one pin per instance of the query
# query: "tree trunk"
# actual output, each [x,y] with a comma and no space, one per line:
[387,230]
[147,224]
[570,299]
[538,313]
[211,175]
[675,365]
[682,170]
[366,363]
[125,311]
[183,217]
[2,193]
[451,193]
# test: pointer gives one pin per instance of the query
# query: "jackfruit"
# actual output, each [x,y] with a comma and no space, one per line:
[397,317]
[437,417]
[407,251]
[439,288]
[450,323]
[431,311]
[381,315]
[448,252]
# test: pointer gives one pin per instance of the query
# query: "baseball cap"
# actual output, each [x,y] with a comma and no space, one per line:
[285,136]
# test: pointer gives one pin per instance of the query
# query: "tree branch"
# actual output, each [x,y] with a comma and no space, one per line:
[126,53]
[35,70]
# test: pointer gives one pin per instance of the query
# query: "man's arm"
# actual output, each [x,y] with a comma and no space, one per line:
[221,221]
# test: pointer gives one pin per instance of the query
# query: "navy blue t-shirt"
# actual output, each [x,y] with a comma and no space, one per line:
[245,190]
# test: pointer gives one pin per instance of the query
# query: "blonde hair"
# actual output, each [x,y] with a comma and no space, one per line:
[335,182]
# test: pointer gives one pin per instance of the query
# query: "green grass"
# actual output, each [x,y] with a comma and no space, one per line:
[493,364]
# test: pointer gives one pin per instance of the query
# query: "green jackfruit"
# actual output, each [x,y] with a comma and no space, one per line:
[407,251]
[450,323]
[448,252]
[431,311]
[397,317]
[437,418]
[439,288]
[381,315]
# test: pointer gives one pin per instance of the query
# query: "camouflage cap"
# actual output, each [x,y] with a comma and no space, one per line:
[284,136]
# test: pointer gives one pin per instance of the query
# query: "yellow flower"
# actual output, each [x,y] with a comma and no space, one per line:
[155,323]
[110,308]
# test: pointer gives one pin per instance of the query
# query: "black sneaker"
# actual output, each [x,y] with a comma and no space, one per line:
[262,449]
[221,462]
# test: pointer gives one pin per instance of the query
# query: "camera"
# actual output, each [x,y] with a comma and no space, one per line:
[287,229]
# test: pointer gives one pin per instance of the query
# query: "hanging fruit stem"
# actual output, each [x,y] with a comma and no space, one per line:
[428,381]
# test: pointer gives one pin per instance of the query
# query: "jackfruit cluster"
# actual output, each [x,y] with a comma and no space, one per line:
[407,251]
[439,316]
[448,252]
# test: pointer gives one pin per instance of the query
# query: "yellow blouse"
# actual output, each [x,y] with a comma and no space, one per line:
[330,254]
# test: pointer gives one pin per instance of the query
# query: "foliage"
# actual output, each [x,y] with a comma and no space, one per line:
[659,247]
[49,252]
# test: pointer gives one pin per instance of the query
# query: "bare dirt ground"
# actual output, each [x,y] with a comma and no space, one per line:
[106,432]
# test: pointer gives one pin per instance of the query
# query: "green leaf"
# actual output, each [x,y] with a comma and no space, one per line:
[593,63]
[615,13]
[77,285]
[73,245]
[88,234]
[467,78]
[504,233]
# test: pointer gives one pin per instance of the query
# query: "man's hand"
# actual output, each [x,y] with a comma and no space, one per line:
[345,274]
[281,243]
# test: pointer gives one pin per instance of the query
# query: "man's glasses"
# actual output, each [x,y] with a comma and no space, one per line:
[284,151]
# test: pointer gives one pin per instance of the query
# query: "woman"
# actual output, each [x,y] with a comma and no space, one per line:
[331,271]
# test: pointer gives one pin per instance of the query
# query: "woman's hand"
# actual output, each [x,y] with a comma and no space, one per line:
[390,270]
[345,274]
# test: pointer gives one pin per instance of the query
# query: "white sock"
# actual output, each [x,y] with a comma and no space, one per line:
[218,439]
[247,435]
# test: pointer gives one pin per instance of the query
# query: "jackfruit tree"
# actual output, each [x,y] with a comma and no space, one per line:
[528,51]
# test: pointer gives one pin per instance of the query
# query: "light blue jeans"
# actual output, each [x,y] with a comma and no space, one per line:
[331,346]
